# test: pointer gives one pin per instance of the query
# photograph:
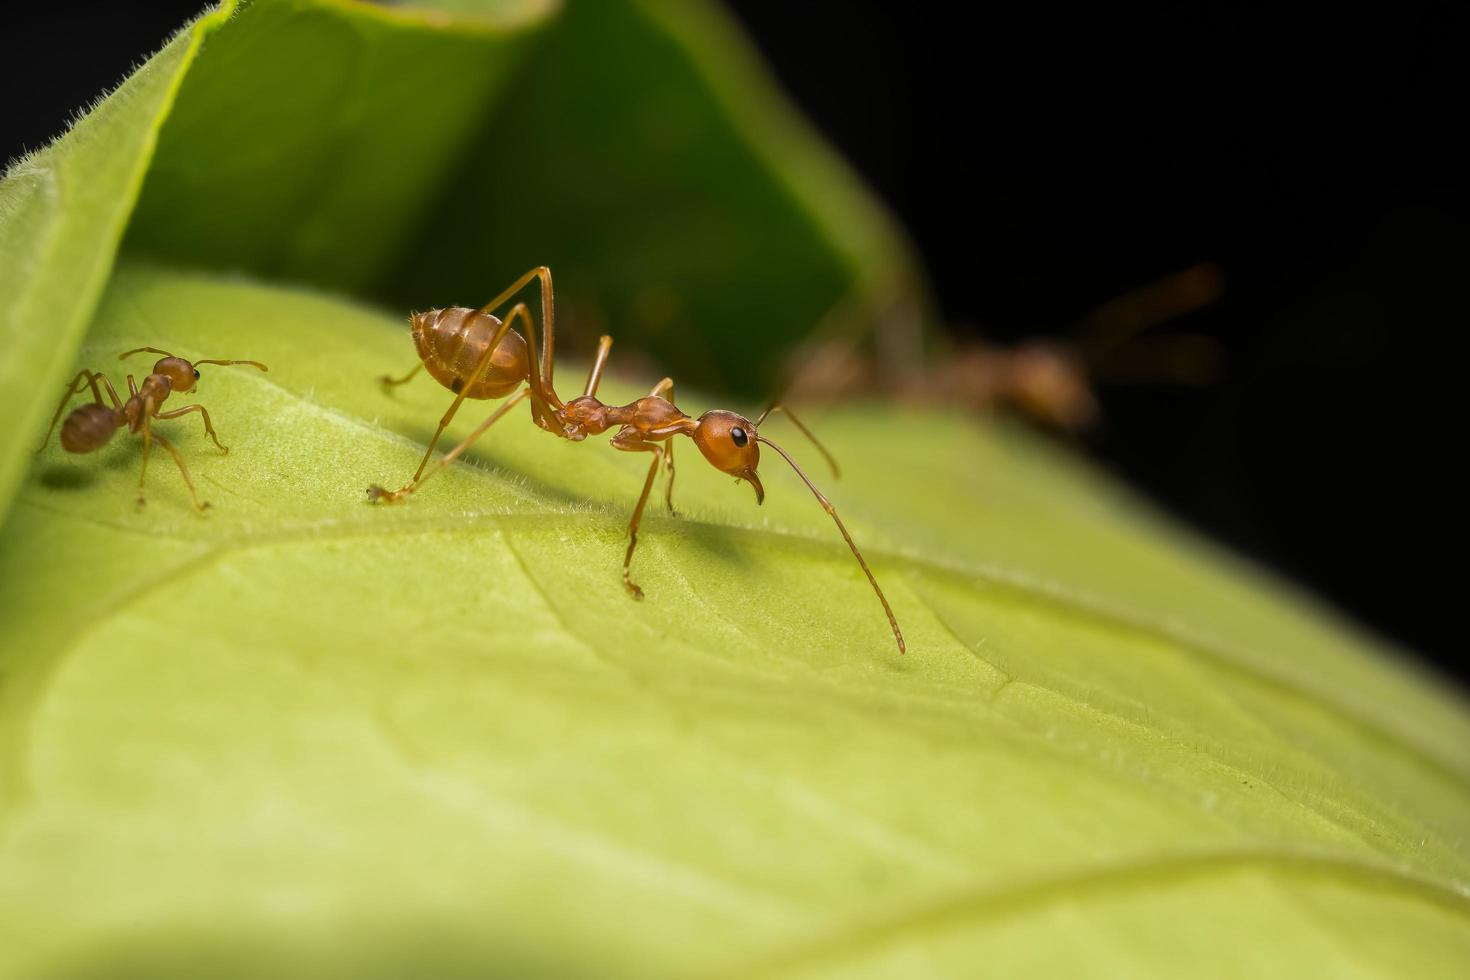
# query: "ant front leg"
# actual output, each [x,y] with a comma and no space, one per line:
[630,440]
[208,427]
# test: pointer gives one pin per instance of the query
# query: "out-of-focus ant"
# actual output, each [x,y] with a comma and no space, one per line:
[1048,382]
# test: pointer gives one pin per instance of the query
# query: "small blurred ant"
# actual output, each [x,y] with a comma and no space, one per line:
[91,427]
[477,355]
[1048,382]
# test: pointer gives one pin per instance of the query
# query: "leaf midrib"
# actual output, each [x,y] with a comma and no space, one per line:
[989,905]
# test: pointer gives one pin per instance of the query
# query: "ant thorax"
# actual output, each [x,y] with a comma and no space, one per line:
[582,417]
[586,416]
[155,387]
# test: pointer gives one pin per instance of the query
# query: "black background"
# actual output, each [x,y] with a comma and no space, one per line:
[1045,160]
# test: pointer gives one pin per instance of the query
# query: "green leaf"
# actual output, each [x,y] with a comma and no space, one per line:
[413,156]
[62,212]
[632,145]
[303,735]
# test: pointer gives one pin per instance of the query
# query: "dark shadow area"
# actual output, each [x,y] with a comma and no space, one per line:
[1048,160]
[79,471]
[382,951]
[482,455]
[68,477]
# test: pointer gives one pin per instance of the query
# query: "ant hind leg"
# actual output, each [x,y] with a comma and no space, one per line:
[482,366]
[377,493]
[84,378]
[388,381]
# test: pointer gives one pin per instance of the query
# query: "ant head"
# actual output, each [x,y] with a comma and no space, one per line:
[182,376]
[728,441]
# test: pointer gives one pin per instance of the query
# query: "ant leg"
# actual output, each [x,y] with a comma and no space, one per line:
[83,379]
[208,428]
[541,403]
[548,317]
[633,445]
[132,387]
[183,470]
[389,381]
[479,372]
[377,493]
[148,409]
[778,407]
[665,390]
[594,377]
[111,393]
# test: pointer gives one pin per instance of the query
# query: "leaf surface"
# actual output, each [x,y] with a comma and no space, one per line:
[306,736]
[302,735]
[62,213]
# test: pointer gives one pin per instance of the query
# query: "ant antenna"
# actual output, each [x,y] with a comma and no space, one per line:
[217,361]
[212,360]
[831,462]
[827,506]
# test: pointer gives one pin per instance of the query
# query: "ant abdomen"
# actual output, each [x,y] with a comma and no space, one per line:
[451,342]
[89,428]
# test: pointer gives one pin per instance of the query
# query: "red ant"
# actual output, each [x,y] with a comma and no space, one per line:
[91,427]
[477,355]
[1046,381]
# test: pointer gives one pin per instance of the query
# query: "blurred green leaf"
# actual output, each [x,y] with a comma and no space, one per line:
[633,145]
[415,156]
[62,212]
[305,736]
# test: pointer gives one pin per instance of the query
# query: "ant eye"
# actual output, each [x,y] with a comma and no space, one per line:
[739,436]
[196,372]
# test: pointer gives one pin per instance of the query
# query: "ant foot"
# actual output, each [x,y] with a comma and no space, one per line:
[141,501]
[633,590]
[378,494]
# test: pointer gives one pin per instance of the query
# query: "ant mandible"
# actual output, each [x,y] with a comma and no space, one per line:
[477,355]
[91,427]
